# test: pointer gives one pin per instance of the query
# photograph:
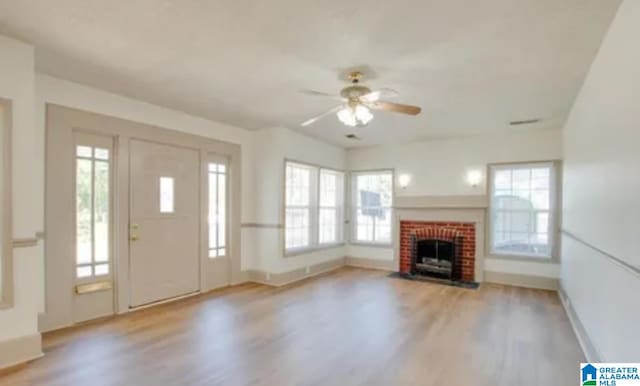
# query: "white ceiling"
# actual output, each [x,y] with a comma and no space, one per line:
[472,65]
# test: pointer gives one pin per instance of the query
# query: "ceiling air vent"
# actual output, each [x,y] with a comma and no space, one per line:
[525,122]
[352,136]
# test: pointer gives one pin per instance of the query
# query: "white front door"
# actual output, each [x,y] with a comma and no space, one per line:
[163,221]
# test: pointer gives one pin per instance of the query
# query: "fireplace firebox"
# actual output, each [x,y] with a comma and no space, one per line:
[436,257]
[427,248]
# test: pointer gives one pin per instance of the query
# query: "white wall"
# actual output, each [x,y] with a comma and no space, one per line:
[440,167]
[602,193]
[17,85]
[272,147]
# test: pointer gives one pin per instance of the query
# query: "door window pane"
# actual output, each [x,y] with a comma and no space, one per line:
[102,154]
[84,226]
[222,202]
[166,195]
[82,272]
[217,209]
[84,151]
[101,211]
[102,269]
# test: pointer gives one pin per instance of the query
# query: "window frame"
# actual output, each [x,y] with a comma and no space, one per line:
[81,138]
[354,208]
[6,234]
[314,208]
[339,207]
[555,213]
[218,160]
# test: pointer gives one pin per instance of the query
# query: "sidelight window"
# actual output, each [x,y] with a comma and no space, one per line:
[93,211]
[217,209]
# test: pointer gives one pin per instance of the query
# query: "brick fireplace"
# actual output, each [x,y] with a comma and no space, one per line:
[455,239]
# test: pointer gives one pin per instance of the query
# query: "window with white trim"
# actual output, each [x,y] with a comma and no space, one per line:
[523,209]
[314,201]
[93,212]
[330,212]
[372,200]
[217,209]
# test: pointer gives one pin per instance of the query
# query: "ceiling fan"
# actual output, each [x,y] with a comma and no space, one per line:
[358,101]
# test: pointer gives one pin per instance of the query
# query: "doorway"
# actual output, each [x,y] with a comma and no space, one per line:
[165,237]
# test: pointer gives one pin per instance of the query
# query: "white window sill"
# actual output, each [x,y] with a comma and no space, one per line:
[523,257]
[304,250]
[371,244]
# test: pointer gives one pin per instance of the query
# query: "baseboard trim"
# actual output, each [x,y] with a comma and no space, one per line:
[589,350]
[519,280]
[17,351]
[364,262]
[281,279]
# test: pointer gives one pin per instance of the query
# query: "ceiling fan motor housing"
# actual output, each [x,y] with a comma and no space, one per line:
[355,91]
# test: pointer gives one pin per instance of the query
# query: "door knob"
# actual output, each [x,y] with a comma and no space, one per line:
[133,227]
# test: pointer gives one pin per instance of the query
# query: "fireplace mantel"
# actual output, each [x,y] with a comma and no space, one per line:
[442,202]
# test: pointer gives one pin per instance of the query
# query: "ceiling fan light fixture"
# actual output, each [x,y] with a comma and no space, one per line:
[363,114]
[355,116]
[346,116]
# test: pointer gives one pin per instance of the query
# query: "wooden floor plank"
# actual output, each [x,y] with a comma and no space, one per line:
[349,327]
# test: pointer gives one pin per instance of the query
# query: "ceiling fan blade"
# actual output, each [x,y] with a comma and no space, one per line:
[317,117]
[381,93]
[395,107]
[320,93]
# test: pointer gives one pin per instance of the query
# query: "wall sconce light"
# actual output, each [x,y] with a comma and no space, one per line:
[404,180]
[474,177]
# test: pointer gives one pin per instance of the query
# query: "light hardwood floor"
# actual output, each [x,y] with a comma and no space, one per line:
[348,327]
